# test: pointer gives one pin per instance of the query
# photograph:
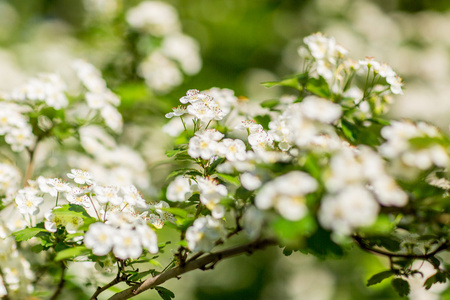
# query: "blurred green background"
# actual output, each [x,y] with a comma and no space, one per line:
[242,44]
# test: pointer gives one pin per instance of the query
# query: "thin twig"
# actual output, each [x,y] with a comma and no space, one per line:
[201,263]
[360,242]
[61,283]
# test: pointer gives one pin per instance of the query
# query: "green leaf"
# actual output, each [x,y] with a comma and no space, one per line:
[165,293]
[289,232]
[139,276]
[439,277]
[263,121]
[269,103]
[176,211]
[37,248]
[155,263]
[288,82]
[321,245]
[71,211]
[71,252]
[401,286]
[349,129]
[229,178]
[27,233]
[318,87]
[379,277]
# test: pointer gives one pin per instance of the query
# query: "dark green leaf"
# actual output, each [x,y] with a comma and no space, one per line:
[165,293]
[263,121]
[439,277]
[349,129]
[139,276]
[379,277]
[321,245]
[401,286]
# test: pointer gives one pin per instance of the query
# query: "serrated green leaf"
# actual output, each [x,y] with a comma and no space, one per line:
[27,233]
[401,286]
[71,252]
[379,277]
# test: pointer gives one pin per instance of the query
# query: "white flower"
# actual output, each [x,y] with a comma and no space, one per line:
[81,177]
[28,202]
[20,138]
[126,244]
[148,238]
[99,238]
[82,200]
[232,149]
[353,207]
[132,196]
[388,192]
[260,141]
[89,76]
[105,194]
[52,222]
[179,189]
[177,111]
[58,185]
[112,117]
[72,224]
[204,233]
[204,144]
[287,194]
[185,50]
[164,215]
[159,72]
[250,182]
[154,17]
[320,109]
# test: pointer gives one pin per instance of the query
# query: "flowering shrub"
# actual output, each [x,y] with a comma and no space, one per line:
[317,172]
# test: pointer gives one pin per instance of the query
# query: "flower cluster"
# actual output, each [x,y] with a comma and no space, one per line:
[162,68]
[99,98]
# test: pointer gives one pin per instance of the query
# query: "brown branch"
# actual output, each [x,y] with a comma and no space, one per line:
[61,283]
[360,242]
[104,288]
[119,278]
[205,263]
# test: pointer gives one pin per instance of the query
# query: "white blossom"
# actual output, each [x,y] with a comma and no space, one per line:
[204,233]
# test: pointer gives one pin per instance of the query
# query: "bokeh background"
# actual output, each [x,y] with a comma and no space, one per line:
[241,44]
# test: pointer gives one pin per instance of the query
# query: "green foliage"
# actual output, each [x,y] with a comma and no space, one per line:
[164,293]
[71,253]
[401,286]
[379,277]
[27,233]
